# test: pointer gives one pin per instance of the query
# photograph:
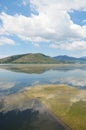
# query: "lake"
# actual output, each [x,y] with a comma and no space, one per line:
[15,78]
[19,112]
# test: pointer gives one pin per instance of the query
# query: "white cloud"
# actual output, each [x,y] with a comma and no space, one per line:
[76,45]
[84,21]
[4,40]
[25,2]
[61,4]
[35,44]
[52,24]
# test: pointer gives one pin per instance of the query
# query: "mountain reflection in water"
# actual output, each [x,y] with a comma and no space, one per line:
[15,78]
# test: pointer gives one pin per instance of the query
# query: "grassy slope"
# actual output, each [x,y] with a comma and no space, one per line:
[29,58]
[35,58]
[67,103]
[10,59]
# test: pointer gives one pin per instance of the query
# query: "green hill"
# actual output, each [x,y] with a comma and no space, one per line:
[36,58]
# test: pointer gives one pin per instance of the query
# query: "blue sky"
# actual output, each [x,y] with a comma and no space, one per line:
[52,27]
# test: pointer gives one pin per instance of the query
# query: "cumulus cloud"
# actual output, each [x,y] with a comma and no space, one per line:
[4,40]
[25,2]
[51,24]
[84,21]
[76,45]
[61,4]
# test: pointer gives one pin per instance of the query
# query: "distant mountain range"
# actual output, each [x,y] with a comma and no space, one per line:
[39,58]
[65,59]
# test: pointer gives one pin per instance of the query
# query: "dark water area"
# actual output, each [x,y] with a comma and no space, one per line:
[17,120]
[37,118]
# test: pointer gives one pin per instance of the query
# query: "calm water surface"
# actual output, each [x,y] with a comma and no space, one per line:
[15,78]
[20,113]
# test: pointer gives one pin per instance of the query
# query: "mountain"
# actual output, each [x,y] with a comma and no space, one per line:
[64,57]
[69,59]
[39,58]
[83,58]
[30,58]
